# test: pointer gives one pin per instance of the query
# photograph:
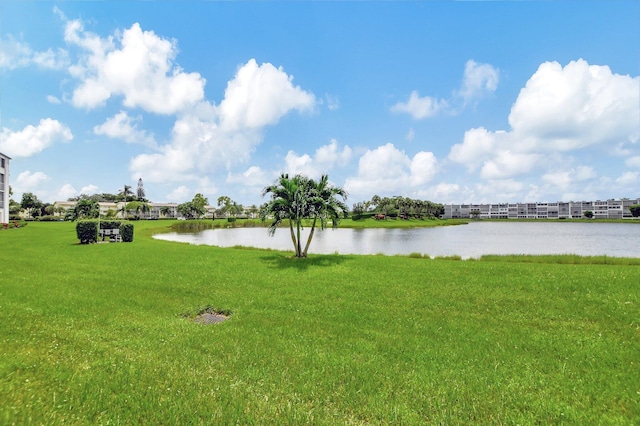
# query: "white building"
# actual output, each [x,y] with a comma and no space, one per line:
[156,210]
[4,188]
[601,209]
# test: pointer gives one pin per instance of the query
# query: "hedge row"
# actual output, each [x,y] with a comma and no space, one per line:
[87,230]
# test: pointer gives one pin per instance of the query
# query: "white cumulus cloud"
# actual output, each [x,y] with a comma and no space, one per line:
[478,81]
[254,176]
[209,138]
[560,110]
[571,107]
[325,158]
[135,64]
[260,95]
[27,181]
[388,170]
[17,54]
[122,126]
[65,192]
[629,178]
[180,194]
[420,107]
[33,139]
[633,161]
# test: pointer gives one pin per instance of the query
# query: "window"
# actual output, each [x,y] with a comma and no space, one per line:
[1,178]
[2,162]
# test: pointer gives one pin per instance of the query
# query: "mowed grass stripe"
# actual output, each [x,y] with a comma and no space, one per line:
[96,334]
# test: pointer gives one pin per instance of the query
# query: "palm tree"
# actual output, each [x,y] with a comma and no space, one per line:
[165,211]
[289,201]
[300,198]
[145,207]
[126,193]
[325,206]
[137,207]
[224,202]
[235,209]
[84,209]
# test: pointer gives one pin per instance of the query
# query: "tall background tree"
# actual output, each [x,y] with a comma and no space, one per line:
[140,192]
[125,194]
[31,204]
[84,209]
[194,209]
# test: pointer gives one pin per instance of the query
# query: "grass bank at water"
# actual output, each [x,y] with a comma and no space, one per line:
[199,225]
[96,334]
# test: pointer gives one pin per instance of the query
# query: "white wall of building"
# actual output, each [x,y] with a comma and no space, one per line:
[4,188]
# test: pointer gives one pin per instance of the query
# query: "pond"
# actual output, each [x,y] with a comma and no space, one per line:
[472,240]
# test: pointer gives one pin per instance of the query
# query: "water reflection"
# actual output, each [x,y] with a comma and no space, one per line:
[473,240]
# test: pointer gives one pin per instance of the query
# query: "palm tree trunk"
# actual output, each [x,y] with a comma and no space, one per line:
[298,246]
[313,228]
[293,237]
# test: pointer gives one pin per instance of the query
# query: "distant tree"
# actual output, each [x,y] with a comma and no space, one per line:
[165,211]
[588,214]
[49,209]
[475,213]
[186,210]
[224,202]
[253,210]
[125,194]
[140,192]
[375,202]
[358,208]
[14,208]
[137,208]
[84,209]
[200,203]
[195,208]
[31,204]
[235,209]
[635,210]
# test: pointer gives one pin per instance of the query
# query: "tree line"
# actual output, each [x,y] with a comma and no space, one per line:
[397,206]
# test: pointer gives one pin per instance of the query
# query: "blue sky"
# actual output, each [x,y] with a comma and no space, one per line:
[444,101]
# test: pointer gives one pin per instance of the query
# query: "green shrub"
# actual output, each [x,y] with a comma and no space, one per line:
[110,224]
[126,232]
[87,231]
[48,218]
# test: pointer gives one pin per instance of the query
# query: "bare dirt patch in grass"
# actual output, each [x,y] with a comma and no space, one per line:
[208,315]
[209,318]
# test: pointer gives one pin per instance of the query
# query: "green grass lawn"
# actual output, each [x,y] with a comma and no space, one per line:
[97,334]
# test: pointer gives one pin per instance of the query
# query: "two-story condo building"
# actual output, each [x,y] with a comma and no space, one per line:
[601,209]
[4,188]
